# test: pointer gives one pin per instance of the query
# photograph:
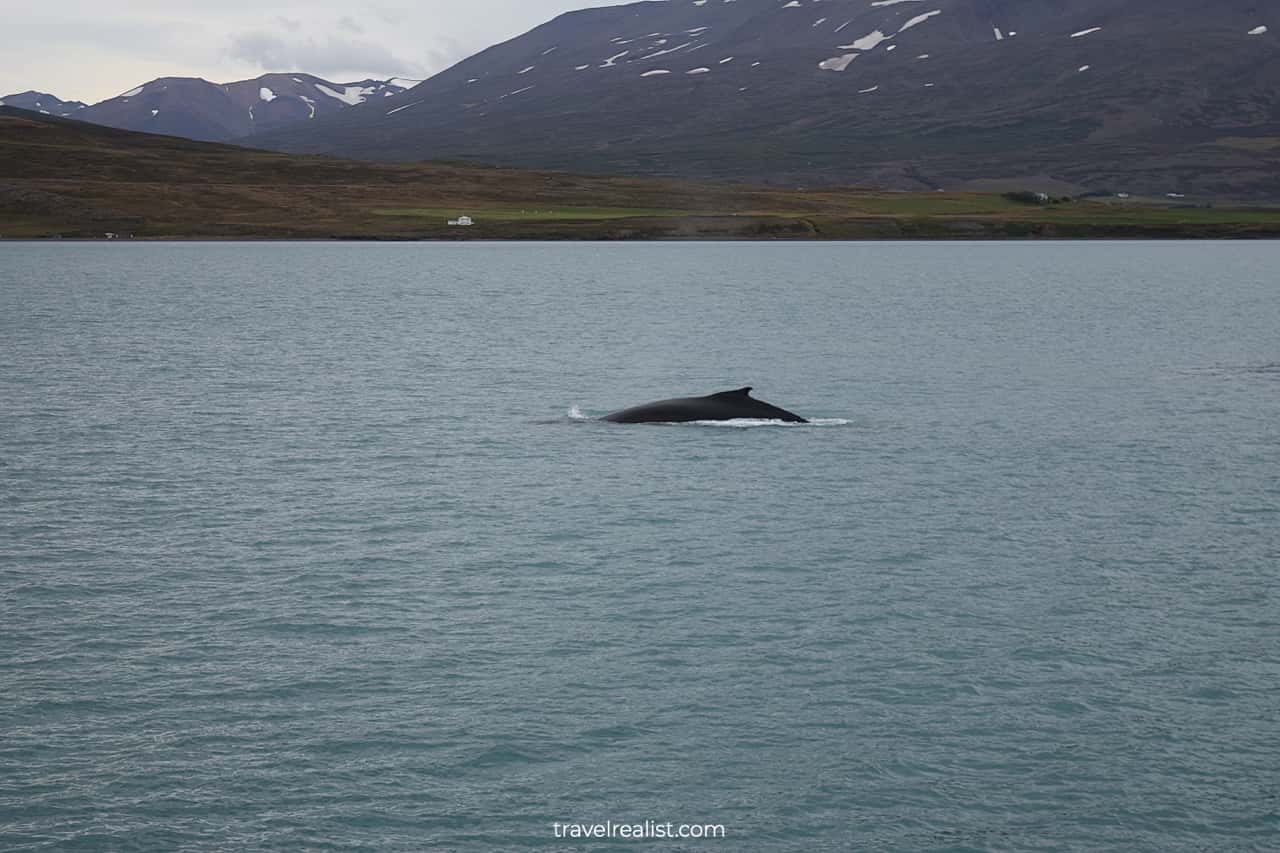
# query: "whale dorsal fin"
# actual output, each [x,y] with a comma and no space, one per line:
[738,394]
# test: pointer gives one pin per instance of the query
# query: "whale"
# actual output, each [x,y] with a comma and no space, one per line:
[724,406]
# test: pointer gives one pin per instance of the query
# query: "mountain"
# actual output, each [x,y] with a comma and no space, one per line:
[197,109]
[1142,96]
[42,102]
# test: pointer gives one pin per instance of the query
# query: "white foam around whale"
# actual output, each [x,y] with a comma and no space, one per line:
[751,423]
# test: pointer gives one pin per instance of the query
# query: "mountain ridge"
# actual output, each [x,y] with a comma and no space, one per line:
[195,108]
[43,103]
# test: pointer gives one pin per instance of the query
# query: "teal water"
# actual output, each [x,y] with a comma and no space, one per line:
[301,549]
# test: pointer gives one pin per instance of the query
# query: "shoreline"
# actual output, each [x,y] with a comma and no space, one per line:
[1085,234]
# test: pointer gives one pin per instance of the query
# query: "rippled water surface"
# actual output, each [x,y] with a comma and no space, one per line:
[300,547]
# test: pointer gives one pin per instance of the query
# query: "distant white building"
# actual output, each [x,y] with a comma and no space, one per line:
[463,221]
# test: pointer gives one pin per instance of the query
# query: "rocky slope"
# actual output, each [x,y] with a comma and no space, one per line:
[1141,96]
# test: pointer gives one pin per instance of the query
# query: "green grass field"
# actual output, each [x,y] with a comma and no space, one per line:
[69,179]
[440,215]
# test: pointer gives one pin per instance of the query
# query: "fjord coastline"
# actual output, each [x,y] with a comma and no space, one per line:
[64,179]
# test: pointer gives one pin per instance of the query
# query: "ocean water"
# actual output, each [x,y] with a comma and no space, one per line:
[315,547]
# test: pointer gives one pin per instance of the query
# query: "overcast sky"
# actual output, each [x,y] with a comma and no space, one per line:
[90,51]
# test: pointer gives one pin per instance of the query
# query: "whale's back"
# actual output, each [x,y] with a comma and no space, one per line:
[722,406]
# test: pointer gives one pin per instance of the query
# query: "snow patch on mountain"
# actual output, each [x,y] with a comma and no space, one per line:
[665,52]
[838,63]
[867,42]
[350,95]
[919,19]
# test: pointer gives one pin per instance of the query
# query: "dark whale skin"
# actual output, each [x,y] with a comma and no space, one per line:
[724,406]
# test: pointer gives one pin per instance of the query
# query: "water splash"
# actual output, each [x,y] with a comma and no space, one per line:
[753,423]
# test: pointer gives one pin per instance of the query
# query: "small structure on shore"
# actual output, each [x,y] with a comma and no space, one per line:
[462,221]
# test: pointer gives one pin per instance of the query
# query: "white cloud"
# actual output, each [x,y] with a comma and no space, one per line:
[331,56]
